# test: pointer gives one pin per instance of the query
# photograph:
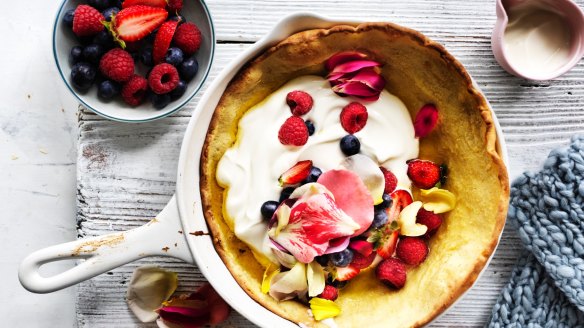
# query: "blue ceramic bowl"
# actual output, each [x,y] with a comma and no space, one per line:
[195,11]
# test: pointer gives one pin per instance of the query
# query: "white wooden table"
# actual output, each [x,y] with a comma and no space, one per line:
[126,173]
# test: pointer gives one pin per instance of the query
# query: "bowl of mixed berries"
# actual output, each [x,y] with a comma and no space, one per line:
[133,60]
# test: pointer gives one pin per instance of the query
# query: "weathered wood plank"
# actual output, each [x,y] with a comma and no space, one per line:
[126,173]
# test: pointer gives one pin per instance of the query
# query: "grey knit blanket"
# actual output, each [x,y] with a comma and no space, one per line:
[547,209]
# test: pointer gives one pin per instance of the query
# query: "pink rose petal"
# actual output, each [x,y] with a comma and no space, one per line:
[357,89]
[312,224]
[426,120]
[185,316]
[354,66]
[343,57]
[337,245]
[371,78]
[351,196]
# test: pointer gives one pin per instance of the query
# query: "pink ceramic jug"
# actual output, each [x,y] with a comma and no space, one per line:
[523,62]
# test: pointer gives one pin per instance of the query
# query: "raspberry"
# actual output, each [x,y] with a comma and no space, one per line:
[300,102]
[424,174]
[412,250]
[134,90]
[329,293]
[354,117]
[392,272]
[390,180]
[87,21]
[362,261]
[430,220]
[175,5]
[293,132]
[188,38]
[163,78]
[117,64]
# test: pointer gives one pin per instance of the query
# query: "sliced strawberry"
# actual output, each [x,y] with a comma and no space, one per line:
[387,242]
[346,273]
[136,22]
[162,40]
[362,247]
[362,261]
[151,3]
[400,199]
[296,173]
[424,174]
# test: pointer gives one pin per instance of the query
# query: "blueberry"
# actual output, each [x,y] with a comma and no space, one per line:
[68,17]
[322,260]
[188,69]
[117,3]
[342,259]
[99,4]
[385,203]
[269,208]
[92,53]
[146,56]
[159,101]
[178,91]
[350,145]
[82,76]
[174,56]
[379,218]
[104,39]
[315,172]
[109,12]
[76,55]
[309,126]
[285,194]
[108,89]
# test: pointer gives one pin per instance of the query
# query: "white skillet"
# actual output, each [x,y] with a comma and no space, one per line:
[183,212]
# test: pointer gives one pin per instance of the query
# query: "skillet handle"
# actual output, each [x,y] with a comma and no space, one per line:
[103,253]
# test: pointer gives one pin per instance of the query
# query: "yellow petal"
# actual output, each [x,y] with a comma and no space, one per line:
[438,200]
[324,309]
[268,275]
[407,221]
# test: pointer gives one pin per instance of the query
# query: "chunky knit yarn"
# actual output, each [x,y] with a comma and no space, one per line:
[547,208]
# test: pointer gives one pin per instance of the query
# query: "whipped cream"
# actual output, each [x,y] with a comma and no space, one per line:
[249,170]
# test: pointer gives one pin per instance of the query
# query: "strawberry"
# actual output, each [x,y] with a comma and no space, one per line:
[400,199]
[162,40]
[87,21]
[151,3]
[424,174]
[346,273]
[392,272]
[362,247]
[362,261]
[386,241]
[412,250]
[430,220]
[329,293]
[296,173]
[390,180]
[175,5]
[293,132]
[136,22]
[354,117]
[299,102]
